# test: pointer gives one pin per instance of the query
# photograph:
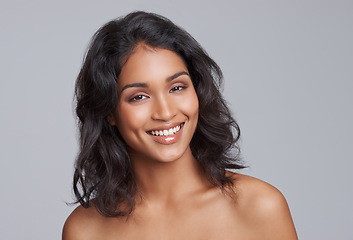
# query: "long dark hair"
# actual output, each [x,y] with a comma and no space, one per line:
[103,172]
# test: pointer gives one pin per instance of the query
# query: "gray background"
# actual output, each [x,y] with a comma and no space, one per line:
[288,69]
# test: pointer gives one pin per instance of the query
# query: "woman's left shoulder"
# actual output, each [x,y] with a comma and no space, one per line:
[264,206]
[256,191]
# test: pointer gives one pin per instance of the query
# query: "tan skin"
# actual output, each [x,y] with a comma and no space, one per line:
[175,200]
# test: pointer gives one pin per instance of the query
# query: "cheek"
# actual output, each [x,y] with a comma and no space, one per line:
[190,105]
[131,118]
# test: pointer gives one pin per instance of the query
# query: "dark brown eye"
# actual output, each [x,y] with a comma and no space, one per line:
[137,98]
[177,88]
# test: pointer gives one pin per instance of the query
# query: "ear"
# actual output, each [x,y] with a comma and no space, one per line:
[111,119]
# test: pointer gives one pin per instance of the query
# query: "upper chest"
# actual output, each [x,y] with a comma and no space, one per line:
[217,219]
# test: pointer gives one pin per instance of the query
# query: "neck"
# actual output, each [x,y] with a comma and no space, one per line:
[168,181]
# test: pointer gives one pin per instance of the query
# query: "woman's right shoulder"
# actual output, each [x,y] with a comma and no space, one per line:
[82,223]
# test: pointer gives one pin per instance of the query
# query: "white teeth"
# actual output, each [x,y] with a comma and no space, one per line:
[169,132]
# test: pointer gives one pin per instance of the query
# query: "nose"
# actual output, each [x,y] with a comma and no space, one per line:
[163,109]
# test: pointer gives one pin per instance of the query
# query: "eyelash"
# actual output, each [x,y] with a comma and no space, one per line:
[178,88]
[141,97]
[137,98]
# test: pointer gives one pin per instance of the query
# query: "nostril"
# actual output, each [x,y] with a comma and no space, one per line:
[163,111]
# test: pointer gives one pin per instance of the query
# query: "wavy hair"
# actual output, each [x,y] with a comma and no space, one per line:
[103,172]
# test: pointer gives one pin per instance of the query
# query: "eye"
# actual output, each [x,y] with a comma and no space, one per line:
[177,89]
[137,98]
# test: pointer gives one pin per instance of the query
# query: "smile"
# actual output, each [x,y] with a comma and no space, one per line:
[166,132]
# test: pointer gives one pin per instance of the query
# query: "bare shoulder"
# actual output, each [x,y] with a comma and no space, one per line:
[263,206]
[257,193]
[81,224]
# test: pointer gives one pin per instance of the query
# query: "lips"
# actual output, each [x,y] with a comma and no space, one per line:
[167,134]
[164,132]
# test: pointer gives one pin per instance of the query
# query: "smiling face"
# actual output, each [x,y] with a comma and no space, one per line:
[157,111]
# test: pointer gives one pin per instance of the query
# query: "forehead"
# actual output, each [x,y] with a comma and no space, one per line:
[147,63]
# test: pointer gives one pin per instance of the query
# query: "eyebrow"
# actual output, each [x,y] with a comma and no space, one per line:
[174,76]
[144,85]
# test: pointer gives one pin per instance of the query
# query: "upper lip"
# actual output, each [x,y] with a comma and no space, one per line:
[165,127]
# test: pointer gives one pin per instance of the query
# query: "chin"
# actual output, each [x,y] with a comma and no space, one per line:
[168,155]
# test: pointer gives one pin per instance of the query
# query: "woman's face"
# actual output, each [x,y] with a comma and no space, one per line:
[157,111]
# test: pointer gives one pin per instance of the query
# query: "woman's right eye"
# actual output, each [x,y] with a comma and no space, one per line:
[137,98]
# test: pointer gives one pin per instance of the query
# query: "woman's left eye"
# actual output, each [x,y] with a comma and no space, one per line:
[177,88]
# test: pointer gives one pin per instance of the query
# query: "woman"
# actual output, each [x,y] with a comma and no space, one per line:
[156,140]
